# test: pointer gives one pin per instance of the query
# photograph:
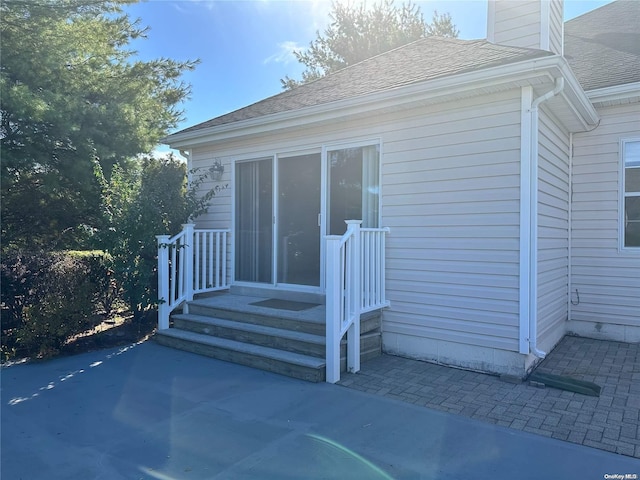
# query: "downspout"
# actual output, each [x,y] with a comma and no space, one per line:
[533,201]
[570,232]
[187,155]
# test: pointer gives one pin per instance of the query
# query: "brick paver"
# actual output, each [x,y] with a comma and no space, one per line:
[608,422]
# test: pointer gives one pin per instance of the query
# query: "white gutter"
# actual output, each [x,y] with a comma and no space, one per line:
[533,217]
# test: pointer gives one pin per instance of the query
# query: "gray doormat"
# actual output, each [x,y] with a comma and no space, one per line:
[284,304]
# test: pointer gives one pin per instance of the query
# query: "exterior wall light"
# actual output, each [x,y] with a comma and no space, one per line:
[217,169]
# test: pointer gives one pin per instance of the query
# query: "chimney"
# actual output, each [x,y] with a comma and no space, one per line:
[527,23]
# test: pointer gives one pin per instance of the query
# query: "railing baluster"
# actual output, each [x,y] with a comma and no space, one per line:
[172,281]
[216,263]
[196,252]
[211,282]
[223,259]
[185,261]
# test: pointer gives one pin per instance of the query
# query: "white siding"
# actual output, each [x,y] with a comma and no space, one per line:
[517,23]
[606,278]
[451,198]
[556,27]
[220,206]
[450,194]
[527,23]
[553,231]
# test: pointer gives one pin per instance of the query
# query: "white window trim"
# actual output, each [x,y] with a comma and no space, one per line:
[621,200]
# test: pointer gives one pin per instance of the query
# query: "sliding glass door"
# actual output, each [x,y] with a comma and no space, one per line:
[254,221]
[285,204]
[292,236]
[298,228]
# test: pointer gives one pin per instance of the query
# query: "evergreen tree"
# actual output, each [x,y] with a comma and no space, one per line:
[357,33]
[73,103]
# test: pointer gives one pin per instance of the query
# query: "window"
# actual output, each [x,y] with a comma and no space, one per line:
[354,190]
[631,193]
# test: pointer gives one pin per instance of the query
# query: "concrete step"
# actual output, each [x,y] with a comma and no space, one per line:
[306,322]
[310,321]
[288,340]
[241,329]
[273,360]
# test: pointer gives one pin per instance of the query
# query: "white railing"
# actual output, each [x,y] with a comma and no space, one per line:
[355,284]
[193,261]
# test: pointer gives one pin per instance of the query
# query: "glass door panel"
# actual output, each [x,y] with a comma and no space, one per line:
[298,210]
[353,187]
[254,221]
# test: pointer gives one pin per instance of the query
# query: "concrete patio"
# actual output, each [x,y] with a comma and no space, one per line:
[148,411]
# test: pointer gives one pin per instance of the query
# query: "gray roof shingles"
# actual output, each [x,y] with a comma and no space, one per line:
[399,67]
[602,47]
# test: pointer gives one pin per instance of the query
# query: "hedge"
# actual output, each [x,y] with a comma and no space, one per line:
[48,297]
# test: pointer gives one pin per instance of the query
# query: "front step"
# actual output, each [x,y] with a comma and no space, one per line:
[291,364]
[232,328]
[288,340]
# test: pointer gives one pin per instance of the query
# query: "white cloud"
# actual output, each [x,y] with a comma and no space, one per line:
[285,54]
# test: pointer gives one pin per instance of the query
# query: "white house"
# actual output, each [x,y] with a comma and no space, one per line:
[507,171]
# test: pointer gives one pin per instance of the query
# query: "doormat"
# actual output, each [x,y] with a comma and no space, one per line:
[284,304]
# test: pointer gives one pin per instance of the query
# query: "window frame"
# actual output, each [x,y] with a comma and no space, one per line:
[624,195]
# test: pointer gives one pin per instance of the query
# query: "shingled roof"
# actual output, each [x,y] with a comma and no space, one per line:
[603,46]
[424,59]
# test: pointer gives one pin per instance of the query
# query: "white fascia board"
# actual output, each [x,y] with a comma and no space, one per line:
[576,98]
[616,93]
[517,73]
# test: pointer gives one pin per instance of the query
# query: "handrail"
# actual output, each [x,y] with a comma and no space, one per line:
[190,262]
[355,284]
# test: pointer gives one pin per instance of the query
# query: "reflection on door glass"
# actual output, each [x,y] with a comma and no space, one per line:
[254,214]
[354,190]
[298,230]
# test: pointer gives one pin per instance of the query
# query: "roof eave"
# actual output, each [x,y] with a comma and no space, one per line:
[545,68]
[615,95]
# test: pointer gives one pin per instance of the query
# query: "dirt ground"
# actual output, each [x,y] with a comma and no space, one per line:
[120,329]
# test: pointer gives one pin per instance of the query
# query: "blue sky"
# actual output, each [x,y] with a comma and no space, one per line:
[245,46]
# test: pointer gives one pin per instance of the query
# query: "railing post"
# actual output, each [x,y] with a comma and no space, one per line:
[188,263]
[333,301]
[353,335]
[163,281]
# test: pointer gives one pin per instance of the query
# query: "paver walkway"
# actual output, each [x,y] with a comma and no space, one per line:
[609,422]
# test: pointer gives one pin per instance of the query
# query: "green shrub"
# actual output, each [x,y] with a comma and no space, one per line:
[50,296]
[150,198]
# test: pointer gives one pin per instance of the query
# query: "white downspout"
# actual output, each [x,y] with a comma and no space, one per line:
[570,232]
[187,155]
[533,240]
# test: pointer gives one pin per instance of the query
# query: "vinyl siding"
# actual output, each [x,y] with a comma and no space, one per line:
[451,199]
[605,280]
[553,230]
[520,23]
[517,23]
[556,27]
[450,194]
